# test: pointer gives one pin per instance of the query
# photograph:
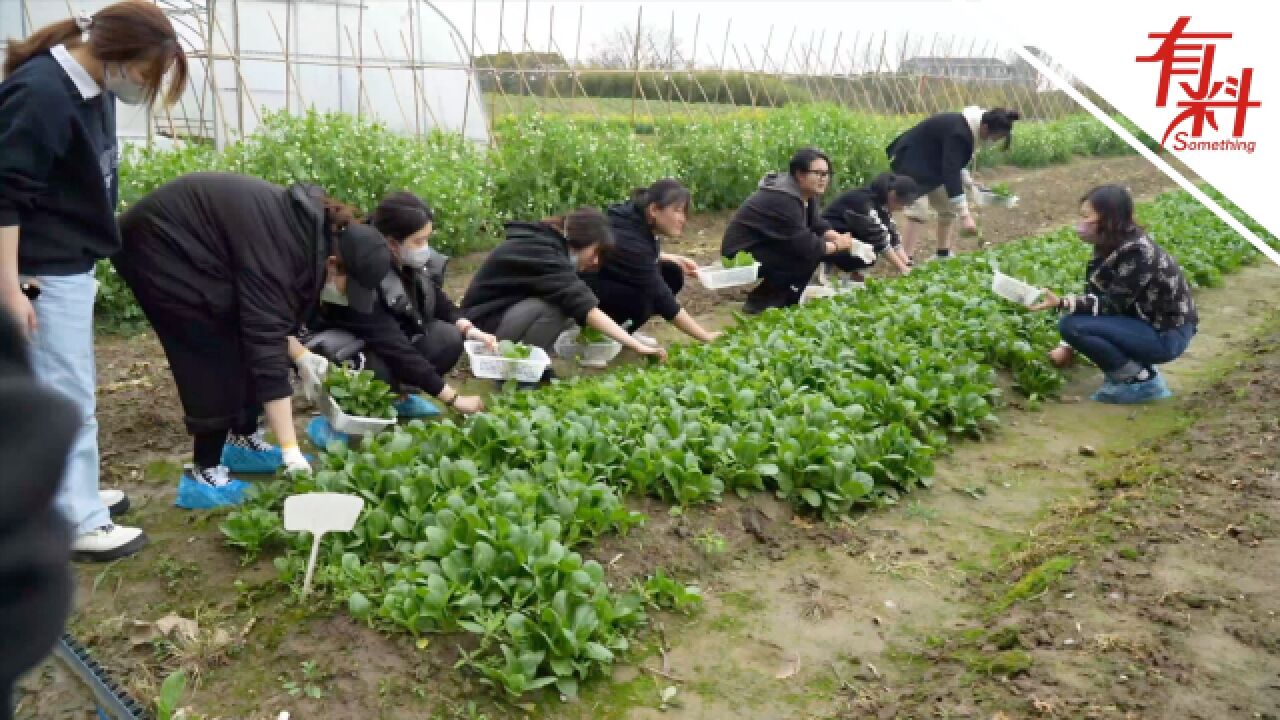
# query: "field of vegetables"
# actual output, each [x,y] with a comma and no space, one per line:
[546,164]
[841,404]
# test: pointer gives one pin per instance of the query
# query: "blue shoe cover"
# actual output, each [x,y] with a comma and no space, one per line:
[252,462]
[1105,393]
[1137,393]
[322,433]
[196,495]
[416,406]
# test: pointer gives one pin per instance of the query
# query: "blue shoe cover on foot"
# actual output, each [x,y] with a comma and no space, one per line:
[322,433]
[1137,393]
[243,460]
[196,495]
[416,406]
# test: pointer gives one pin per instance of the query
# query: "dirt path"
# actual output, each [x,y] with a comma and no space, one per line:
[901,615]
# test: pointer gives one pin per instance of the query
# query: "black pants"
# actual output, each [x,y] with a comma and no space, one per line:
[441,345]
[625,303]
[779,287]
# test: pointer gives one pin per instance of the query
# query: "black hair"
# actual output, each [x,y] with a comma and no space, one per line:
[903,186]
[804,157]
[584,228]
[999,121]
[663,193]
[400,215]
[1116,224]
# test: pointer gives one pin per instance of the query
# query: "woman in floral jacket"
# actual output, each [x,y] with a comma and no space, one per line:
[1136,311]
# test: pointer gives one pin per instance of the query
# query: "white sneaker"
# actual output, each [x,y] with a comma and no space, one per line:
[645,339]
[116,502]
[109,542]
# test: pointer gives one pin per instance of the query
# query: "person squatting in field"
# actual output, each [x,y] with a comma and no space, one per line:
[636,280]
[781,227]
[867,214]
[1136,311]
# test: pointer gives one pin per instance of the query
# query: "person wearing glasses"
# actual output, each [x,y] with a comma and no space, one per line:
[782,227]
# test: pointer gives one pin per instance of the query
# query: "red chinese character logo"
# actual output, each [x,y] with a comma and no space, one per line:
[1180,55]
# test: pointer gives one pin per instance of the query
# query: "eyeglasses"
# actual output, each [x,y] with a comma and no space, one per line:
[819,173]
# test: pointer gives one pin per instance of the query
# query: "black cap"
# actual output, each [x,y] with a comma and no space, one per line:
[367,259]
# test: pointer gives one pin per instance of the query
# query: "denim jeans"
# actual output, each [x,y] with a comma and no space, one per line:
[62,355]
[1121,346]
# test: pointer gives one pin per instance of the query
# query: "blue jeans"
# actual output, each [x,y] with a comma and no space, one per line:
[1122,346]
[62,355]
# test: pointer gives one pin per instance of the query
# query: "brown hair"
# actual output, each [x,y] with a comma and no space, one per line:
[338,215]
[132,31]
[583,228]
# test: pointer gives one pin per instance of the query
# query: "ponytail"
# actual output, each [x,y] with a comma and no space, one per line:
[663,193]
[902,186]
[583,228]
[999,122]
[133,31]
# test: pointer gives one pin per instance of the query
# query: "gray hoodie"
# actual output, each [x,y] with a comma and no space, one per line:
[778,227]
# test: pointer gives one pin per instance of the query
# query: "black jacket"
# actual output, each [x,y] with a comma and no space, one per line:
[1138,279]
[408,300]
[37,427]
[533,262]
[935,152]
[232,248]
[861,214]
[633,261]
[777,226]
[58,177]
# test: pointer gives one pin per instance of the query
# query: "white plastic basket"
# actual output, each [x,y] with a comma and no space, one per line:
[492,366]
[597,354]
[351,424]
[818,292]
[715,277]
[1013,289]
[986,197]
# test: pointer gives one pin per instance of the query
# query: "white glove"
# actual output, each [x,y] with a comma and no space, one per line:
[311,371]
[294,461]
[863,251]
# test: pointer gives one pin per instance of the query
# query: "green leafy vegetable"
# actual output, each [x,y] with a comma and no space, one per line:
[742,259]
[514,350]
[359,393]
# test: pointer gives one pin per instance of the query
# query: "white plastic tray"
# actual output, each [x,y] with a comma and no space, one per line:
[986,197]
[1013,289]
[598,354]
[715,277]
[351,424]
[818,292]
[492,366]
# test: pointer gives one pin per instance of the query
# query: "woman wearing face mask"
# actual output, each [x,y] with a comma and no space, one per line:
[636,279]
[528,289]
[58,189]
[935,153]
[226,267]
[781,227]
[867,215]
[1136,311]
[413,334]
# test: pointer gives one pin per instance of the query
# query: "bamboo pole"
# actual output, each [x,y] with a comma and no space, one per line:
[471,73]
[435,122]
[635,87]
[395,92]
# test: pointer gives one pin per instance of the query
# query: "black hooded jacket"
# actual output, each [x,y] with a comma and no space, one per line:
[779,228]
[533,263]
[633,261]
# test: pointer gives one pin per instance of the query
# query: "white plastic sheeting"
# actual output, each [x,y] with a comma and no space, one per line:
[397,61]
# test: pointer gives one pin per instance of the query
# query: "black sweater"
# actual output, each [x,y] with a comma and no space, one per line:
[234,249]
[1138,279]
[407,301]
[779,228]
[934,152]
[532,263]
[37,426]
[58,173]
[633,261]
[861,214]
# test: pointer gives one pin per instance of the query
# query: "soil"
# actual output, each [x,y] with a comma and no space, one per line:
[890,616]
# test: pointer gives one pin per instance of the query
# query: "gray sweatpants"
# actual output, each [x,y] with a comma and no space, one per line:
[532,321]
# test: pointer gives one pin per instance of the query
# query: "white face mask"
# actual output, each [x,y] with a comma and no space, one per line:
[416,257]
[123,87]
[332,295]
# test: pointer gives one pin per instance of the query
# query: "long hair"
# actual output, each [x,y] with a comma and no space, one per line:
[132,31]
[1116,224]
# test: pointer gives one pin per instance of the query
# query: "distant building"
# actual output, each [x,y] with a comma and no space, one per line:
[981,69]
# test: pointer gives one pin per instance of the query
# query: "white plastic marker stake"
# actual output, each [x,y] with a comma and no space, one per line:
[320,513]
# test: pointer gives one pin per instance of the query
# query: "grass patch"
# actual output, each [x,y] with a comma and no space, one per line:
[1035,582]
